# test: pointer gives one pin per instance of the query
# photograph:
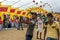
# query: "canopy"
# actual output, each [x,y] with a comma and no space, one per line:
[50,5]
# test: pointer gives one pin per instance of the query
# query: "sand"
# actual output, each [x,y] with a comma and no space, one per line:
[14,34]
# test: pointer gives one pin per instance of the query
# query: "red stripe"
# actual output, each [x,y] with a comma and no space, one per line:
[23,13]
[3,9]
[12,10]
[18,12]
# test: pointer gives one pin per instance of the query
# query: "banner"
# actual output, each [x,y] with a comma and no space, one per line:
[13,12]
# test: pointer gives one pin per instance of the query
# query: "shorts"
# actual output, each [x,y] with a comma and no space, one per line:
[39,30]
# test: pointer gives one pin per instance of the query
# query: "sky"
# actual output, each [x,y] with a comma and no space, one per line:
[53,5]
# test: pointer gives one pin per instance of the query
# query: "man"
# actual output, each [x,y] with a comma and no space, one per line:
[21,22]
[1,23]
[4,16]
[17,23]
[44,19]
[31,25]
[6,19]
[51,28]
[40,25]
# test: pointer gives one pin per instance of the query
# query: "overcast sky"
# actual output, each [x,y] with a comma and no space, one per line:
[24,4]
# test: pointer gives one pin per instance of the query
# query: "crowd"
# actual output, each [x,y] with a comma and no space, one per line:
[48,23]
[16,22]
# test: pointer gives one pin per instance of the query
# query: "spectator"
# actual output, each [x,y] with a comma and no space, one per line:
[1,24]
[21,22]
[40,25]
[31,25]
[51,28]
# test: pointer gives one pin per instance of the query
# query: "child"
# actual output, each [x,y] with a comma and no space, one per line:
[40,25]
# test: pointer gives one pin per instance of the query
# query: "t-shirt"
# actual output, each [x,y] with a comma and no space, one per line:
[40,23]
[44,19]
[30,28]
[51,30]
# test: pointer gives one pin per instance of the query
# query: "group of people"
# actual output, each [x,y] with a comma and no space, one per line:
[16,22]
[48,23]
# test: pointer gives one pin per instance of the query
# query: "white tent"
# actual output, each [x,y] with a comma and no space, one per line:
[24,4]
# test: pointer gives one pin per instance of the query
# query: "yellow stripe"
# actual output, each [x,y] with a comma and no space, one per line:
[0,3]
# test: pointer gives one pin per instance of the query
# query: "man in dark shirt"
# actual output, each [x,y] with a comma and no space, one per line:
[21,22]
[31,25]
